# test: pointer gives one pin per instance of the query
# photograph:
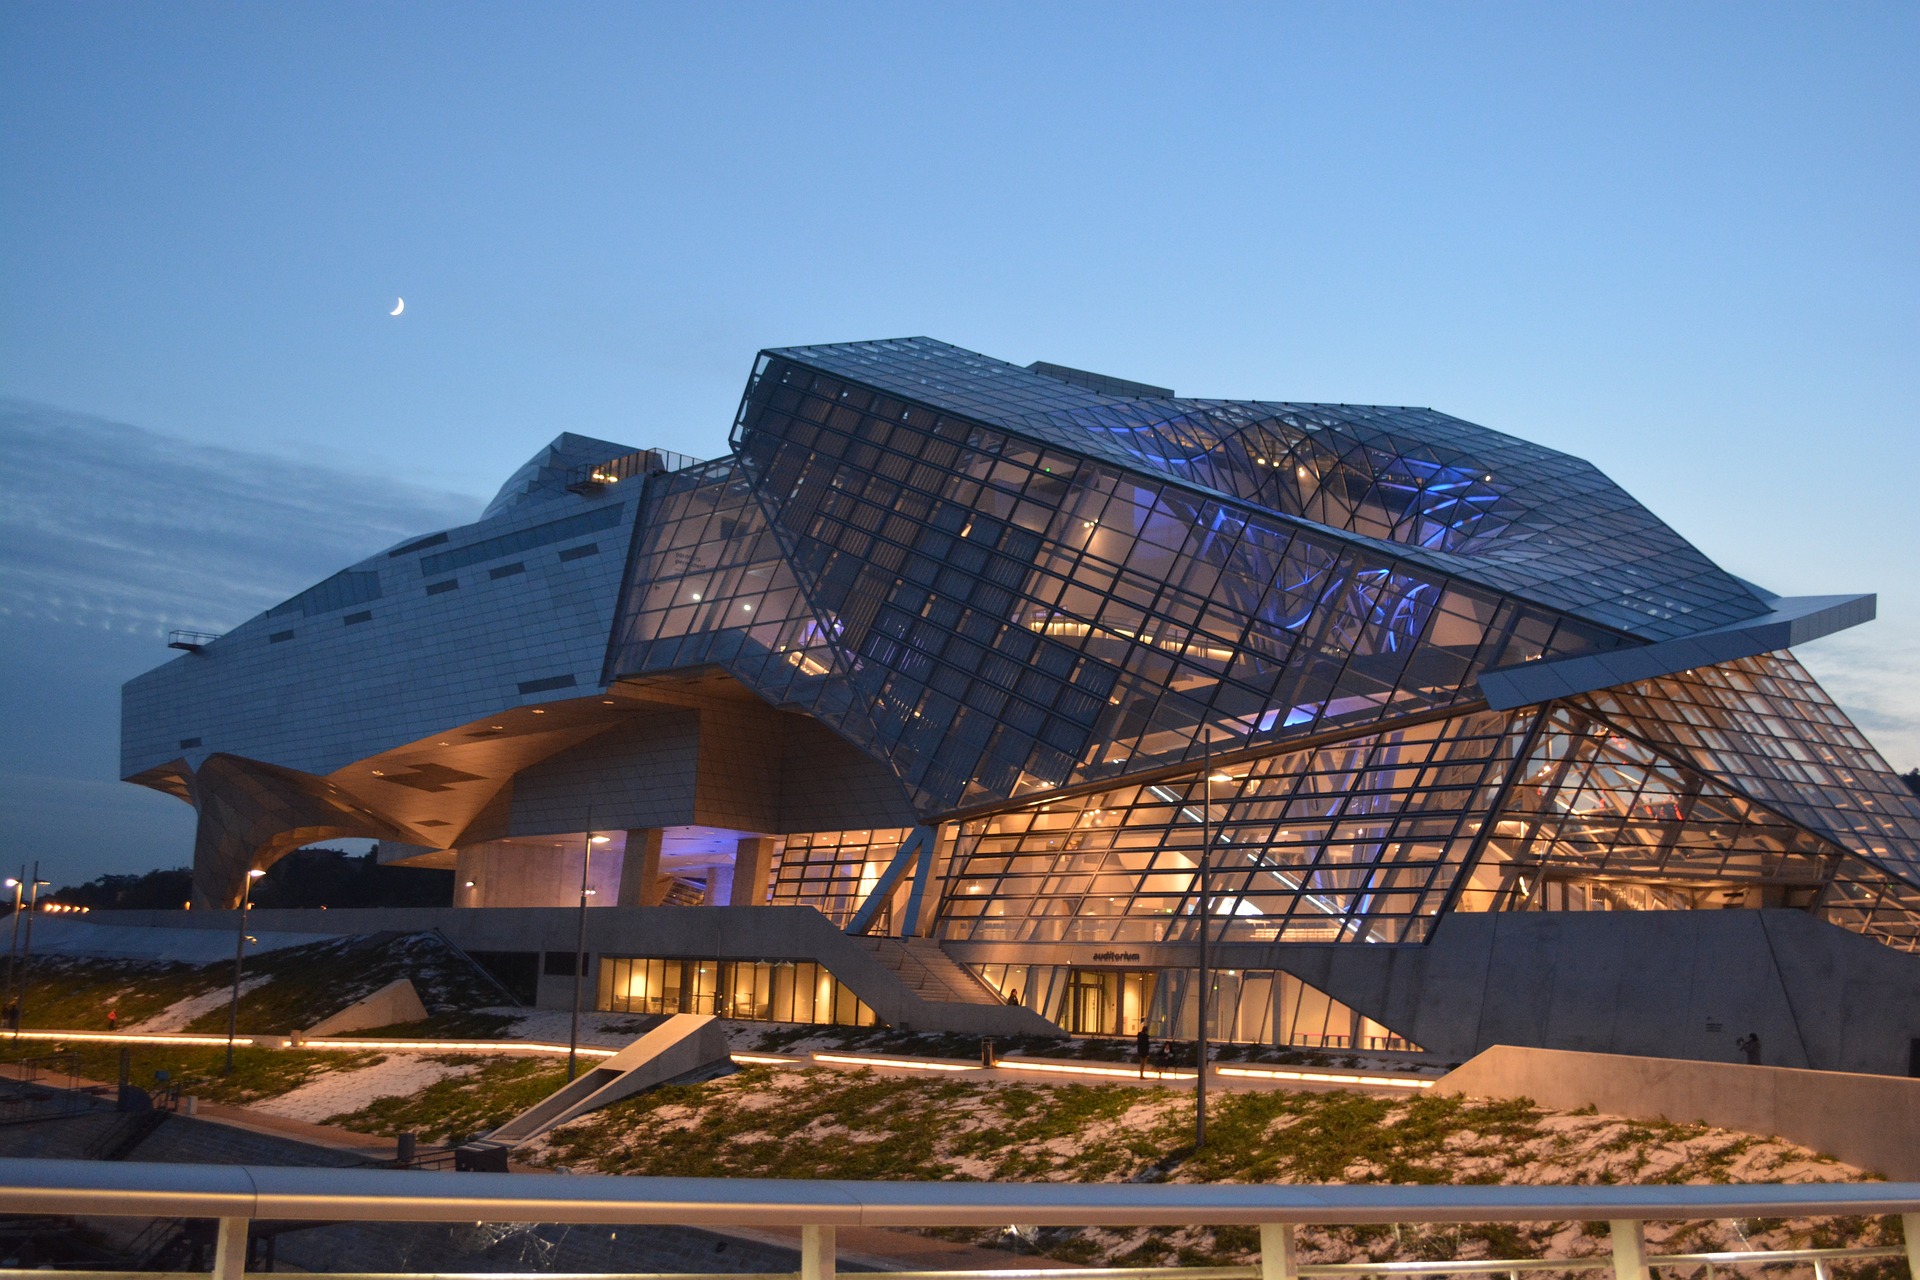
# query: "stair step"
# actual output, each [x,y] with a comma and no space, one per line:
[928,971]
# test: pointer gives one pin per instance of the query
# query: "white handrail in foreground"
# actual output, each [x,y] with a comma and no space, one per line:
[237,1194]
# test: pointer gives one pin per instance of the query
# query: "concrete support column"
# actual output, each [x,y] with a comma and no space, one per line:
[640,883]
[719,890]
[752,869]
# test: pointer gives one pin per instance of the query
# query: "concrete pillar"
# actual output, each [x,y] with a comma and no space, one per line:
[752,869]
[719,890]
[640,883]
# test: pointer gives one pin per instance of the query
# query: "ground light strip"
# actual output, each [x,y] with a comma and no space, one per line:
[452,1046]
[1322,1077]
[106,1037]
[911,1064]
[585,1051]
[421,1046]
[1117,1073]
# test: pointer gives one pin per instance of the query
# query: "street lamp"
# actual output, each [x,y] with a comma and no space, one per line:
[13,943]
[239,956]
[580,951]
[26,947]
[1206,968]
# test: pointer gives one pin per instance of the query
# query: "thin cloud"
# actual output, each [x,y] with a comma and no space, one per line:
[109,526]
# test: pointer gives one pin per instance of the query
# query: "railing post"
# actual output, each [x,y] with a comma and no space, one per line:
[816,1253]
[1629,1249]
[1278,1259]
[230,1249]
[1910,1227]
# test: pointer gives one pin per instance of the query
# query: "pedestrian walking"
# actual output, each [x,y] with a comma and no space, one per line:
[113,1019]
[1143,1048]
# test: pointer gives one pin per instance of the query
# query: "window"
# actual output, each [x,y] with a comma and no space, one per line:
[751,990]
[506,544]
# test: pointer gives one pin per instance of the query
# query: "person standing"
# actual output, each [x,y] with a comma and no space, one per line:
[113,1019]
[1143,1047]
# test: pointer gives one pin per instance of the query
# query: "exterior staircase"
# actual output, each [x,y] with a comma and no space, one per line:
[929,972]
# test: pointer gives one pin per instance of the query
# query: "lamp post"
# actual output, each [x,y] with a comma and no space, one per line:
[26,948]
[13,943]
[1206,967]
[580,953]
[239,957]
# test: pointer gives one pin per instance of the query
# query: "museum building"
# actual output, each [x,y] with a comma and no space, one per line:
[1001,684]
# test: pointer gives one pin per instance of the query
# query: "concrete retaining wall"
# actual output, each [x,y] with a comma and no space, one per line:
[1872,1122]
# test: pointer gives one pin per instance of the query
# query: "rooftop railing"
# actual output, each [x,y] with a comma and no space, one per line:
[239,1195]
[628,466]
[191,641]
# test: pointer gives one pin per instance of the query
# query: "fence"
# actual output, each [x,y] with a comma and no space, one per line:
[239,1195]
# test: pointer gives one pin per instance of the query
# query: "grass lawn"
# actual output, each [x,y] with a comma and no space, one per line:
[302,986]
[455,1109]
[816,1123]
[257,1073]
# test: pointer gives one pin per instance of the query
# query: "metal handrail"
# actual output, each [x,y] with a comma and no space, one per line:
[238,1194]
[255,1191]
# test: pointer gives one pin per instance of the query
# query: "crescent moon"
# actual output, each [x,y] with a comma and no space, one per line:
[399,305]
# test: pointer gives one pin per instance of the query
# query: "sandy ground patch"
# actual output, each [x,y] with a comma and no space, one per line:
[177,1015]
[338,1092]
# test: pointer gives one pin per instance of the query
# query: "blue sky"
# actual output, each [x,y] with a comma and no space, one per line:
[1678,240]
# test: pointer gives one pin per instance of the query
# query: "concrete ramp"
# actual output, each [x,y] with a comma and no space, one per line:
[683,1043]
[391,1005]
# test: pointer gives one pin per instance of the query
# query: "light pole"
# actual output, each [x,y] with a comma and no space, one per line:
[13,943]
[580,952]
[1206,967]
[239,957]
[26,950]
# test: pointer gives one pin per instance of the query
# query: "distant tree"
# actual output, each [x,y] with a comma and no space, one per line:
[304,878]
[156,890]
[337,879]
[1912,778]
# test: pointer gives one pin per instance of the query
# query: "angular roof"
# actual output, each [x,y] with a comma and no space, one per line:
[1464,499]
[545,474]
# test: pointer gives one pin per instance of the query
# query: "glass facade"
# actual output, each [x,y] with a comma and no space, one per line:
[754,990]
[1251,1006]
[834,871]
[1358,841]
[1072,621]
